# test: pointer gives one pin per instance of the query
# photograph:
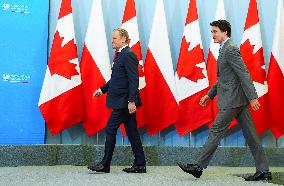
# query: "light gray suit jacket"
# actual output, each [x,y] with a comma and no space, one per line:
[234,87]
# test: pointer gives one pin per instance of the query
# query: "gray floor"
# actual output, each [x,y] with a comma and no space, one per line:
[157,175]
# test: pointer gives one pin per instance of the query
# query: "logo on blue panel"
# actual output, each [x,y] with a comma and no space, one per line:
[6,6]
[16,78]
[24,9]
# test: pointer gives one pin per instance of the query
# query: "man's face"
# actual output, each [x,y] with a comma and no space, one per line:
[218,35]
[117,40]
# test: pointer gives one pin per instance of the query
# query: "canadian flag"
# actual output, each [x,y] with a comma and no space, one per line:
[161,104]
[129,23]
[191,76]
[276,74]
[212,58]
[61,99]
[95,70]
[252,54]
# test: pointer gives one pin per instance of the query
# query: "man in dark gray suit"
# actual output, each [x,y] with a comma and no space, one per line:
[235,92]
[123,98]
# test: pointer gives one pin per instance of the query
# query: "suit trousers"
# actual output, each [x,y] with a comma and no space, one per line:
[117,117]
[219,128]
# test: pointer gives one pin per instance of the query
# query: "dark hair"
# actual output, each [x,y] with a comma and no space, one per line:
[223,25]
[123,33]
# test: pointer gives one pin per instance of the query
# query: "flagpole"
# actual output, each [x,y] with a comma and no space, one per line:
[97,135]
[47,54]
[190,139]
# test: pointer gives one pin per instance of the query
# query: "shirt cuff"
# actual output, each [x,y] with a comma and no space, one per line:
[100,90]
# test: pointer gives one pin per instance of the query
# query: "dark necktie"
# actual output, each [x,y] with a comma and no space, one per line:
[115,55]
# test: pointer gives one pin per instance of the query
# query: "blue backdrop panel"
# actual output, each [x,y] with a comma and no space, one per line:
[23,59]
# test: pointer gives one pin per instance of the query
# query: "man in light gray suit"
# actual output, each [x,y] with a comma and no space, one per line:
[235,92]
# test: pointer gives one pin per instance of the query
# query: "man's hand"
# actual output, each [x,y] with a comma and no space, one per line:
[97,93]
[131,107]
[203,101]
[254,104]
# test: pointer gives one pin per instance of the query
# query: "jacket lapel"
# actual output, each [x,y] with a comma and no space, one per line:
[221,54]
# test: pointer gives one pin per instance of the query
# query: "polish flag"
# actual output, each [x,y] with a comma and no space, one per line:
[61,97]
[162,100]
[95,70]
[130,24]
[212,58]
[252,53]
[276,74]
[191,77]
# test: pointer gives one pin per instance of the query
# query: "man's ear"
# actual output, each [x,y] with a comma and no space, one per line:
[124,40]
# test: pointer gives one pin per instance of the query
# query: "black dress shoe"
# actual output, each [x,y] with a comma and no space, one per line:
[99,168]
[193,169]
[135,169]
[259,176]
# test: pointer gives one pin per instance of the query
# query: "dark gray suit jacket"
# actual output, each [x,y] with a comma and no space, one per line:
[234,87]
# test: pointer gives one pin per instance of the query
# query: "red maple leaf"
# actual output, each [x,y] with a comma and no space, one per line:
[59,61]
[188,60]
[254,62]
[137,50]
[141,70]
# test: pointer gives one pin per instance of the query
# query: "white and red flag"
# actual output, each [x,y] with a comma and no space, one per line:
[61,99]
[95,70]
[213,56]
[161,103]
[276,74]
[252,53]
[191,77]
[129,23]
